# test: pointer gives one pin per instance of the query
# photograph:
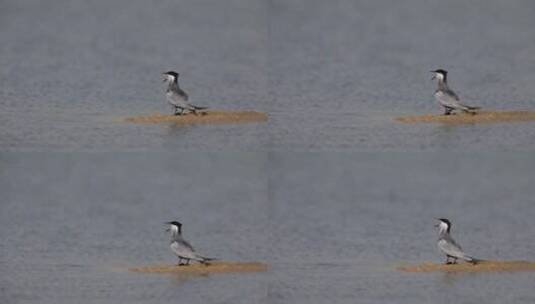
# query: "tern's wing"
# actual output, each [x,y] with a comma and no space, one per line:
[182,94]
[178,98]
[188,105]
[450,247]
[183,249]
[447,98]
[452,94]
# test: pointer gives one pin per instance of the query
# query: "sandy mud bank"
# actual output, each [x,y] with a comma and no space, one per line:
[206,117]
[480,117]
[214,267]
[483,266]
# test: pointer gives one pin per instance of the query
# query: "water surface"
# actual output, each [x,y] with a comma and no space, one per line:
[332,226]
[331,75]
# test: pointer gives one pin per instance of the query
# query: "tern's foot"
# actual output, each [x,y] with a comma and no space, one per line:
[448,111]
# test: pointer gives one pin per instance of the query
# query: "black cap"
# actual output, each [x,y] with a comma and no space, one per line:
[178,224]
[441,71]
[172,73]
[445,221]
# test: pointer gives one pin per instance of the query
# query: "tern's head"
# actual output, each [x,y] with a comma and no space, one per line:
[444,225]
[439,74]
[170,76]
[174,227]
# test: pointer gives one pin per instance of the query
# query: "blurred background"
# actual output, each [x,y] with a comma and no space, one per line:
[332,227]
[331,192]
[331,75]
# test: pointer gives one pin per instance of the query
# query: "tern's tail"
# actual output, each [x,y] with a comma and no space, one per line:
[472,260]
[473,108]
[470,109]
[206,261]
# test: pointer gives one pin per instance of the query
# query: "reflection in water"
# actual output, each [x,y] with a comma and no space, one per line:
[447,136]
[450,278]
[174,129]
[181,278]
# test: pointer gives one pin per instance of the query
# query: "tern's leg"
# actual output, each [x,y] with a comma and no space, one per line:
[454,260]
[447,110]
[180,262]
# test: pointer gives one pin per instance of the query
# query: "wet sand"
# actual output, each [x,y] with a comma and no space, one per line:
[463,118]
[483,266]
[214,267]
[205,117]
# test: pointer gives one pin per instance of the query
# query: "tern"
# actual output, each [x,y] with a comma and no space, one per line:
[447,97]
[177,97]
[448,246]
[183,248]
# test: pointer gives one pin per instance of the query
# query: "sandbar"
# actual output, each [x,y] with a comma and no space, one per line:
[482,266]
[197,268]
[465,118]
[205,117]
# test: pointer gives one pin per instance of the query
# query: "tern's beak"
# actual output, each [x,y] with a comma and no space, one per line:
[168,228]
[164,77]
[434,75]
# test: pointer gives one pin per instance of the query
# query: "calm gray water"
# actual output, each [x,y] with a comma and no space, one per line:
[331,74]
[332,227]
[330,192]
